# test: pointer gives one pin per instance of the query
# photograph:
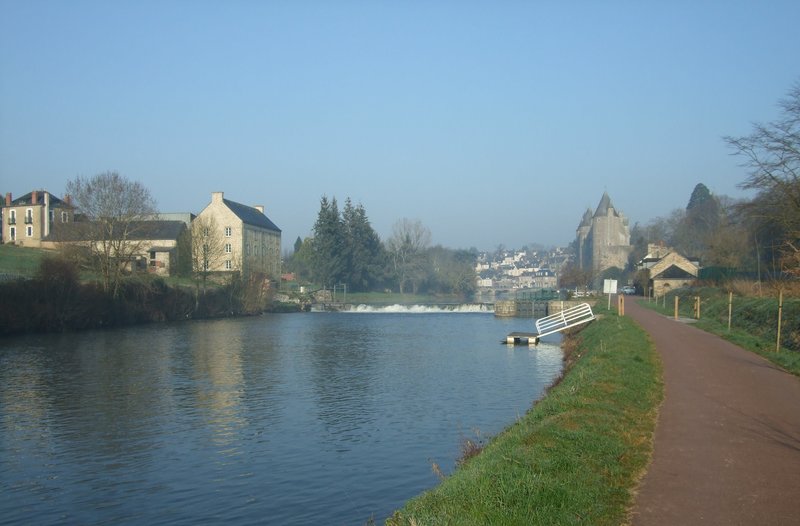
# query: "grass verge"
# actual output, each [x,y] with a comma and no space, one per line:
[753,322]
[576,456]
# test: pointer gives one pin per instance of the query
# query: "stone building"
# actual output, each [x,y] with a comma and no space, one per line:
[603,238]
[28,219]
[252,243]
[671,272]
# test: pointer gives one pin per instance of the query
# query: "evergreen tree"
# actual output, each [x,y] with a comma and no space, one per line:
[329,260]
[364,251]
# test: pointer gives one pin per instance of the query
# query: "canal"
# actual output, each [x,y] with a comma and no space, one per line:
[318,418]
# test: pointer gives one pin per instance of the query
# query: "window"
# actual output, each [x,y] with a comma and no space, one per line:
[29,231]
[228,264]
[205,231]
[12,218]
[12,233]
[228,231]
[29,216]
[228,248]
[64,217]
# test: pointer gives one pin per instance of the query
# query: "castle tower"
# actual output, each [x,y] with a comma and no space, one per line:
[604,238]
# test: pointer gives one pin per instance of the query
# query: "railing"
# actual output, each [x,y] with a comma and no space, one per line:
[28,220]
[565,319]
[12,220]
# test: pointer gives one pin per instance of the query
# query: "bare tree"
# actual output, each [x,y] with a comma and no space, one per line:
[772,155]
[407,248]
[207,247]
[115,209]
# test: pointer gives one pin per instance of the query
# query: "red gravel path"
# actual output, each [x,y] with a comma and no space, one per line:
[727,441]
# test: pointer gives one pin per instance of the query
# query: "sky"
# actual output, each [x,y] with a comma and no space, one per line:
[490,122]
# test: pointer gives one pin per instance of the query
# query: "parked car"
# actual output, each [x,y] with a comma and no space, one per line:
[627,289]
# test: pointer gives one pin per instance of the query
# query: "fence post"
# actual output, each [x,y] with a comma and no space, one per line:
[780,312]
[697,307]
[730,309]
[676,307]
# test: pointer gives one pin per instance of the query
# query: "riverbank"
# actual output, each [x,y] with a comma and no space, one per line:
[576,456]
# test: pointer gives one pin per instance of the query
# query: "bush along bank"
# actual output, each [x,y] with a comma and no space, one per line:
[576,456]
[55,300]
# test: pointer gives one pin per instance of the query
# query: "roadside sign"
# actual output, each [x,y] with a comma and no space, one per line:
[609,286]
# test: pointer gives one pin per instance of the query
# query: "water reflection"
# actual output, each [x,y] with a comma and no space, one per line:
[216,350]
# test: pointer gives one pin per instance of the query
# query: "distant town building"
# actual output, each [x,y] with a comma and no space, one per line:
[252,242]
[603,238]
[30,218]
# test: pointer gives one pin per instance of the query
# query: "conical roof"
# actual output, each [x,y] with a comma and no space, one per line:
[605,204]
[586,220]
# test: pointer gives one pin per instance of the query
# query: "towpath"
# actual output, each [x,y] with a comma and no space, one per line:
[727,440]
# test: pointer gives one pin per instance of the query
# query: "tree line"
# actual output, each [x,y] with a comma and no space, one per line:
[345,250]
[760,234]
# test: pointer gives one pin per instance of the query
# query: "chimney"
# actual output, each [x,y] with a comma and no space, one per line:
[46,200]
[260,208]
[68,199]
[216,197]
[8,199]
[34,197]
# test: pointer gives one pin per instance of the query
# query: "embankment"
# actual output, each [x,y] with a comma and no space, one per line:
[576,456]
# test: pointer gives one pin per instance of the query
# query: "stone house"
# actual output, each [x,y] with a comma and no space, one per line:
[671,272]
[27,220]
[603,238]
[252,242]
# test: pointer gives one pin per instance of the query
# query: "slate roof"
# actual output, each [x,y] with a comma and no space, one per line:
[27,199]
[250,215]
[141,230]
[604,205]
[586,220]
[673,272]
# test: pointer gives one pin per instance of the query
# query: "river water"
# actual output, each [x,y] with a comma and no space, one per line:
[318,418]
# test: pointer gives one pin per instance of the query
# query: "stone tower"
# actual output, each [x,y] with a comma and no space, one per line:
[603,238]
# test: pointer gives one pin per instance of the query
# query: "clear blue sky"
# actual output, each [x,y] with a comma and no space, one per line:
[495,122]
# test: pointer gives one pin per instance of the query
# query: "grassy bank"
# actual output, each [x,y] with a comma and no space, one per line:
[19,261]
[754,321]
[576,456]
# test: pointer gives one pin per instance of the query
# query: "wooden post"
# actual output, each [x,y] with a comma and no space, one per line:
[730,309]
[780,313]
[621,305]
[676,307]
[697,307]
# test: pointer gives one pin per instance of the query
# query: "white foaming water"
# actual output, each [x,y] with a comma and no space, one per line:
[465,308]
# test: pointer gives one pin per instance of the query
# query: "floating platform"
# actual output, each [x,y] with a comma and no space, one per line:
[522,338]
[554,323]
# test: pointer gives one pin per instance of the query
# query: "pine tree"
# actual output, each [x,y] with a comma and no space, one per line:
[364,251]
[329,260]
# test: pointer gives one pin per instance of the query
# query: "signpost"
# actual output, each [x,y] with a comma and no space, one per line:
[609,287]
